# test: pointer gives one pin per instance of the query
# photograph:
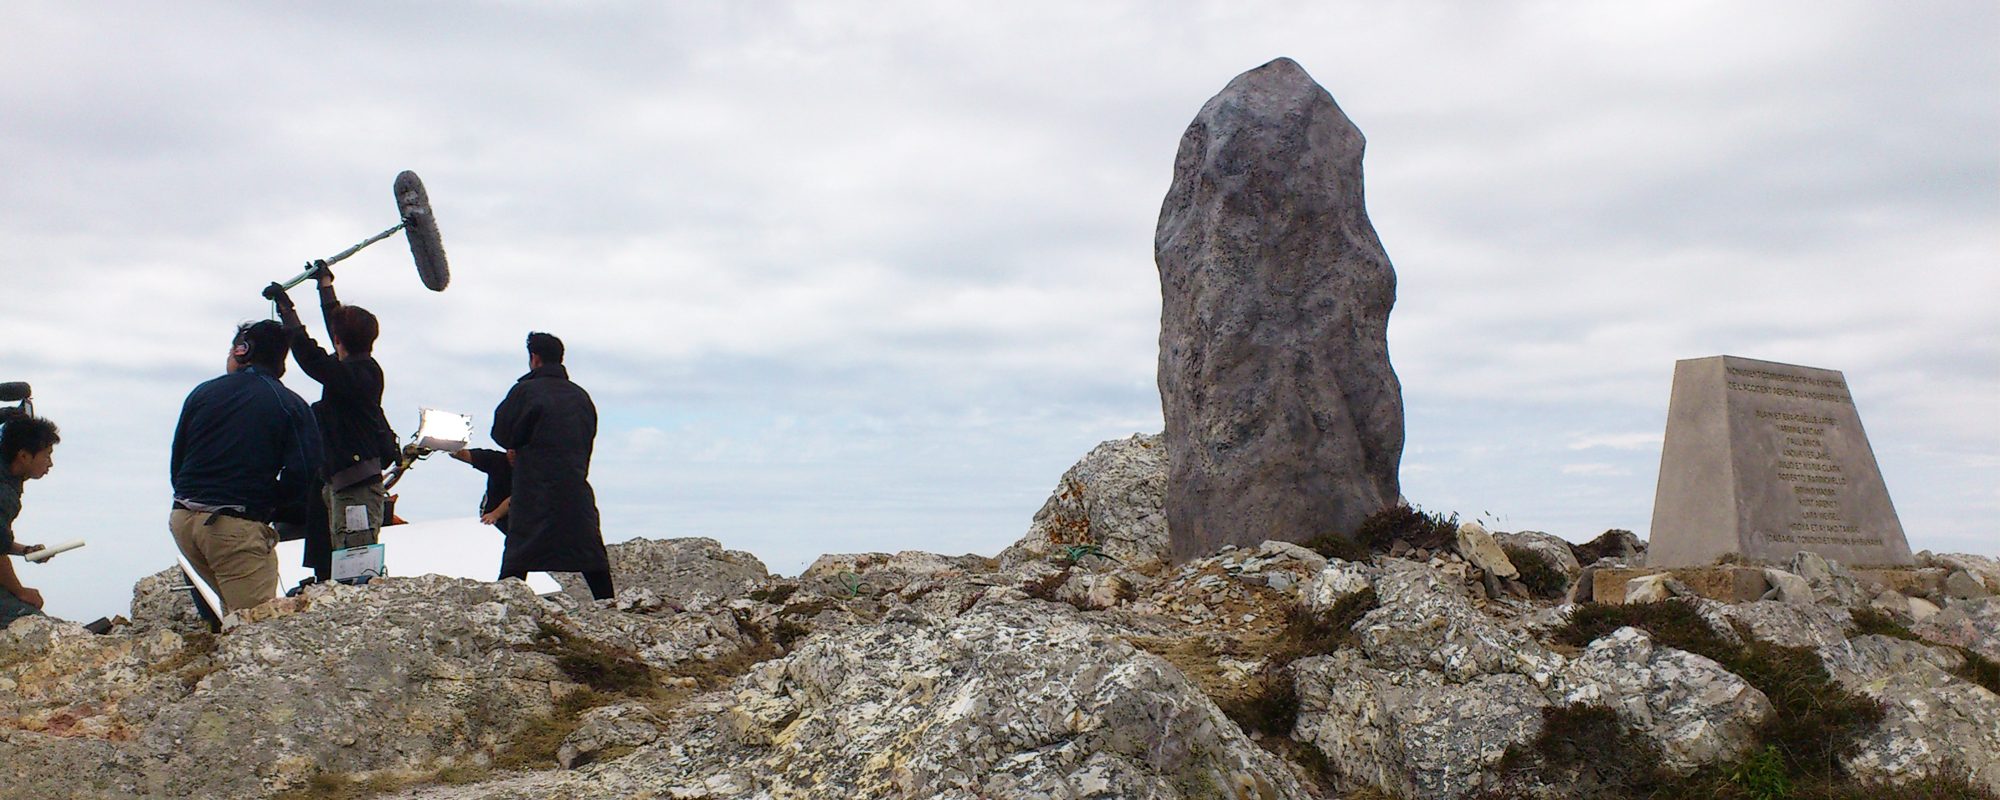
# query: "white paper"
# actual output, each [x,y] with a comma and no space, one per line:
[355,518]
[354,562]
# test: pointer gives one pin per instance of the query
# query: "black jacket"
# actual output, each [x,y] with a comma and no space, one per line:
[245,440]
[499,480]
[356,432]
[550,424]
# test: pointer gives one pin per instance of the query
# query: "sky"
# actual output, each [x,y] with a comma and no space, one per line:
[850,277]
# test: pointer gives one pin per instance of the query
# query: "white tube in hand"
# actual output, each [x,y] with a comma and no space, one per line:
[47,553]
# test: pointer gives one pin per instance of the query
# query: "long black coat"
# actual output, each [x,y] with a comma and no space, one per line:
[550,424]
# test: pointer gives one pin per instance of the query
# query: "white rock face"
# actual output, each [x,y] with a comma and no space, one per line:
[1696,711]
[1412,732]
[1936,723]
[1336,582]
[1016,700]
[1427,622]
[1115,499]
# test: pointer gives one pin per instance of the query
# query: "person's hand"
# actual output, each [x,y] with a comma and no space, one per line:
[491,517]
[32,548]
[324,275]
[276,294]
[30,596]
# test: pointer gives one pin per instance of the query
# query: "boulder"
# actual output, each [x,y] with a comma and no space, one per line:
[1479,547]
[1284,419]
[1623,547]
[1972,624]
[1426,621]
[160,601]
[1411,733]
[399,674]
[1555,550]
[689,573]
[1115,499]
[601,729]
[1696,712]
[1962,585]
[1009,700]
[1934,724]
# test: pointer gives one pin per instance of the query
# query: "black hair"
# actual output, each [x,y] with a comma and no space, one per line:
[547,346]
[356,329]
[26,435]
[262,344]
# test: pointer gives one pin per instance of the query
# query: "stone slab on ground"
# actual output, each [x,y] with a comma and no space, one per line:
[1766,460]
[1727,584]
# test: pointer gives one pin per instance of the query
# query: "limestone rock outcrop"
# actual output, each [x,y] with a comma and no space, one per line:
[1114,499]
[684,573]
[1284,419]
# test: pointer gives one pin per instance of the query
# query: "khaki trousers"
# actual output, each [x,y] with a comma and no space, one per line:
[235,555]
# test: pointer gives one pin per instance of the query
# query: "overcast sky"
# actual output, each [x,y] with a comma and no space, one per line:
[870,276]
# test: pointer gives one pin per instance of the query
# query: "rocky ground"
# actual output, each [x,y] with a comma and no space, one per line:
[1445,663]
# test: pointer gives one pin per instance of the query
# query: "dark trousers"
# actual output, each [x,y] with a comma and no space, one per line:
[13,608]
[599,581]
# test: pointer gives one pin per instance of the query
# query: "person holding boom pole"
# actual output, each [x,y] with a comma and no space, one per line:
[357,439]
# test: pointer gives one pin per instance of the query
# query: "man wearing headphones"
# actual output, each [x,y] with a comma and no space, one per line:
[245,446]
[28,451]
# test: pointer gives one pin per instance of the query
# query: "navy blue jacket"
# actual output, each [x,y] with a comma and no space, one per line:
[245,440]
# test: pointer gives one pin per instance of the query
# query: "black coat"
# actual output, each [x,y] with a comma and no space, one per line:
[550,424]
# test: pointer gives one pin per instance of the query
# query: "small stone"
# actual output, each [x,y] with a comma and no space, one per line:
[1480,548]
[1960,585]
[1787,587]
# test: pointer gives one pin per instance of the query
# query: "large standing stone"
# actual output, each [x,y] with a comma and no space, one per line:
[1766,460]
[1284,418]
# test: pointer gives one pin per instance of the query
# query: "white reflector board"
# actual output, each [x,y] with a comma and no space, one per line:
[456,548]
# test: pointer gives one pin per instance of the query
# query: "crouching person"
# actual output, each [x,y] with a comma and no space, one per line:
[27,448]
[244,446]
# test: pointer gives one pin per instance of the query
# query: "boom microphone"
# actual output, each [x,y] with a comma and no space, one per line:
[422,231]
[419,225]
[14,391]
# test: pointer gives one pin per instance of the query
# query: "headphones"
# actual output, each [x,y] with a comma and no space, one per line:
[243,349]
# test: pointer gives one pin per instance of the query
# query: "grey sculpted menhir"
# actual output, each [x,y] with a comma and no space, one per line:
[1284,419]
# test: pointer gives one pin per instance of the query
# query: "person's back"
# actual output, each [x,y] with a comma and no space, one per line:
[244,446]
[550,425]
[233,439]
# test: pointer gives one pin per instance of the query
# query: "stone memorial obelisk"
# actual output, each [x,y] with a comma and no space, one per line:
[1284,419]
[1764,460]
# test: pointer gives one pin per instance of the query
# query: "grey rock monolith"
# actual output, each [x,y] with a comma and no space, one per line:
[1284,419]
